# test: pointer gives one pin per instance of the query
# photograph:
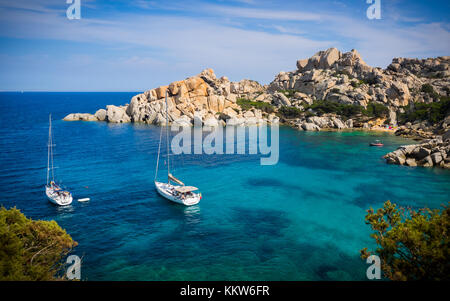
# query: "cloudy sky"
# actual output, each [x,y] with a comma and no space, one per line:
[136,45]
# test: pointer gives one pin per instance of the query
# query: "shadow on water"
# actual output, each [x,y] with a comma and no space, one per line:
[259,222]
[265,182]
[273,183]
[266,229]
[191,215]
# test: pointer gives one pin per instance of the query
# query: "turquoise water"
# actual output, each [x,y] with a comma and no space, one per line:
[302,219]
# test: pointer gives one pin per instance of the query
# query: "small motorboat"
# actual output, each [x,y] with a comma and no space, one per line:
[376,143]
[84,200]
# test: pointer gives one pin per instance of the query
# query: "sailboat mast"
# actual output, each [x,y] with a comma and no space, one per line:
[51,150]
[48,145]
[168,149]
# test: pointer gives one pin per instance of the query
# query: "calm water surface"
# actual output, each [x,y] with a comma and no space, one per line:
[302,219]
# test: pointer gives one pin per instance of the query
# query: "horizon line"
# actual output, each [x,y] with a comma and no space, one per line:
[55,91]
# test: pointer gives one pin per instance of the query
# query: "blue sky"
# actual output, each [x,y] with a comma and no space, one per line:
[136,45]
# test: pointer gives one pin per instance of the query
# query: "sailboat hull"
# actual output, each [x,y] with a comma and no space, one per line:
[165,190]
[63,198]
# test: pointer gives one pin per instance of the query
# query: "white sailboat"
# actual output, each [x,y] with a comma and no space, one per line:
[180,193]
[54,192]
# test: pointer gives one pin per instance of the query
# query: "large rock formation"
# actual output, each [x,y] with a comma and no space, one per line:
[203,96]
[329,75]
[346,78]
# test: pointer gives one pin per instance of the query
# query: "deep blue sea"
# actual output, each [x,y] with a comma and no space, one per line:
[302,219]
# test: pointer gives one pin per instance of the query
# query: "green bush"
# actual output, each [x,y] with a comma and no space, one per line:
[290,112]
[325,106]
[433,112]
[321,107]
[288,93]
[309,114]
[447,90]
[371,81]
[377,110]
[427,88]
[247,104]
[31,250]
[412,244]
[356,84]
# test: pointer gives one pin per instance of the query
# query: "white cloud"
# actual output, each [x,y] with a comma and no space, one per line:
[150,50]
[379,42]
[256,13]
[185,42]
[290,30]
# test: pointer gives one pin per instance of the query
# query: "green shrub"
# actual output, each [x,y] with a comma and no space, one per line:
[371,81]
[288,93]
[411,244]
[290,112]
[326,106]
[247,104]
[427,88]
[447,90]
[433,112]
[356,84]
[321,107]
[244,103]
[222,116]
[31,250]
[377,110]
[309,114]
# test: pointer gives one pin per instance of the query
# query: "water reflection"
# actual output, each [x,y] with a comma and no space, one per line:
[192,214]
[65,211]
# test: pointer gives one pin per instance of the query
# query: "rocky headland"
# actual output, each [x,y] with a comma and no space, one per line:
[433,152]
[330,90]
[204,98]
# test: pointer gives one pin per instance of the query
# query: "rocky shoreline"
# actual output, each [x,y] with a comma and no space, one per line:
[429,153]
[330,90]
